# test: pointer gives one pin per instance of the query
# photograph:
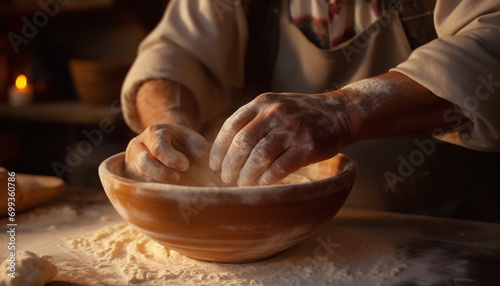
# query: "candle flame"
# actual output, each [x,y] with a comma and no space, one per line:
[21,81]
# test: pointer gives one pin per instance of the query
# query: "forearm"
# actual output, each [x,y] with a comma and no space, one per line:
[393,104]
[163,101]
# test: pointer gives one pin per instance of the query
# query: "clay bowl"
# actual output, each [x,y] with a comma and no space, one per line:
[230,224]
[98,82]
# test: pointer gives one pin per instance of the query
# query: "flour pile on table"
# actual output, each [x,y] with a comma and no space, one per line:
[333,255]
[38,234]
[30,268]
[53,215]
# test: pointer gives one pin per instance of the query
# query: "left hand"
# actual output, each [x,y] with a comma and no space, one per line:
[277,134]
[164,152]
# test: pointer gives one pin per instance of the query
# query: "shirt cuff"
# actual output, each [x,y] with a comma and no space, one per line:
[459,70]
[182,68]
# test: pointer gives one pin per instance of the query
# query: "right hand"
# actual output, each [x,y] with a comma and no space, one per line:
[163,152]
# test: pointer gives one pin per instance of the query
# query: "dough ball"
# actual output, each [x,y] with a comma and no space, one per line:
[31,270]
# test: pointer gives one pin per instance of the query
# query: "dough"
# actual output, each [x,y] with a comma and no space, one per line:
[294,179]
[31,270]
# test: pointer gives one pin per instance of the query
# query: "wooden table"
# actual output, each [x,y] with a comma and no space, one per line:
[433,251]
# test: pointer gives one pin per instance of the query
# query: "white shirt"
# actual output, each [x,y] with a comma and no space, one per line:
[201,44]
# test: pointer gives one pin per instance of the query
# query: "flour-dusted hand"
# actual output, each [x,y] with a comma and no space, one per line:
[162,152]
[278,133]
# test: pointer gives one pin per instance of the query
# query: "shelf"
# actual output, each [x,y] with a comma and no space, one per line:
[66,112]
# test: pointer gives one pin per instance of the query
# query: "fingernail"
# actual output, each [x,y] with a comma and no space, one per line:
[174,177]
[214,163]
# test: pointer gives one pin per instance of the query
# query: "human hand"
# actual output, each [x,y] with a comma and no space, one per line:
[278,133]
[163,152]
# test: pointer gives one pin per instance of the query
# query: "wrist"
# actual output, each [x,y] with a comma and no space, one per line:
[161,101]
[346,115]
[356,114]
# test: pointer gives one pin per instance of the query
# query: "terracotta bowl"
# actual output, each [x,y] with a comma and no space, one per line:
[230,224]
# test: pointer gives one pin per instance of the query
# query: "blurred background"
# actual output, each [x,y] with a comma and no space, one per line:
[62,64]
[74,55]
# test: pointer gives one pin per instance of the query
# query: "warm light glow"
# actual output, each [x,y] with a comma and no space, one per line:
[21,82]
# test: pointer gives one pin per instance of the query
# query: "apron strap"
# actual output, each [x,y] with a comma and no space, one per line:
[418,22]
[263,40]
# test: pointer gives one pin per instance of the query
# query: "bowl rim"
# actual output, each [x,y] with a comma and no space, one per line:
[349,170]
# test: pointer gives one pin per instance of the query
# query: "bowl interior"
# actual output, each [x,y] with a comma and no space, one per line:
[201,177]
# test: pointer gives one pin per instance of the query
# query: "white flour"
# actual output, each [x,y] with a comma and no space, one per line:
[37,246]
[48,215]
[91,245]
[372,93]
[350,257]
[370,86]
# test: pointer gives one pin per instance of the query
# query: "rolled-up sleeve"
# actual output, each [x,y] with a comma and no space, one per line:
[199,44]
[463,66]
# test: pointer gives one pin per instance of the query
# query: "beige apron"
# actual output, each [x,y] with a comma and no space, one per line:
[303,67]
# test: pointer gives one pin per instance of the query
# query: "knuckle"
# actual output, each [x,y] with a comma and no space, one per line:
[279,114]
[134,143]
[228,126]
[285,121]
[280,167]
[156,148]
[267,96]
[261,155]
[130,163]
[275,110]
[136,165]
[132,151]
[152,129]
[243,140]
[157,129]
[141,160]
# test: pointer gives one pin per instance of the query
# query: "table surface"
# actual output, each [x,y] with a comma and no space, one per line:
[434,251]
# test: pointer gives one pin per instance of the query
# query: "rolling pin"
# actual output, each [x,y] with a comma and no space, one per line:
[28,190]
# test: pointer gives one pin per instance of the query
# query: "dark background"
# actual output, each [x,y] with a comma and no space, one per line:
[92,44]
[73,38]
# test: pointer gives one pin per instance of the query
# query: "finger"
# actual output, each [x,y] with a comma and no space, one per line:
[270,147]
[145,164]
[229,129]
[238,152]
[159,144]
[195,145]
[290,161]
